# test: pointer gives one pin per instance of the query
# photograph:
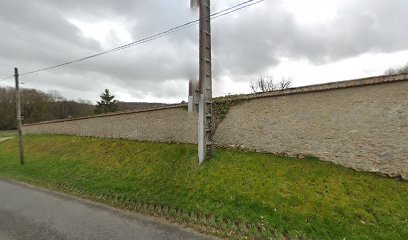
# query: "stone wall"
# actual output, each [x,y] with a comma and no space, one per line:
[365,128]
[167,124]
[362,124]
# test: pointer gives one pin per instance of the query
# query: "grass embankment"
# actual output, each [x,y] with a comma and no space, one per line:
[10,133]
[235,194]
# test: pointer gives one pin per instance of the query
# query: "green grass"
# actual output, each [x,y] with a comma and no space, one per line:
[236,194]
[8,133]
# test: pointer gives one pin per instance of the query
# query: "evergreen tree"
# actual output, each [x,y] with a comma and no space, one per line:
[107,103]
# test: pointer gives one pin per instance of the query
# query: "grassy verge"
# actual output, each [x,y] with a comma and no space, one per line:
[8,133]
[234,195]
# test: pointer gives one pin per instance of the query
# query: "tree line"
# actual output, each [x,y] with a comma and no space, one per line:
[39,106]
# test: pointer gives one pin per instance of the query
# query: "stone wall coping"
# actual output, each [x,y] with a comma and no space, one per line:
[290,91]
[169,106]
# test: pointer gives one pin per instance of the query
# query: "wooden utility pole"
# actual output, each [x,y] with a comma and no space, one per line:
[205,124]
[19,120]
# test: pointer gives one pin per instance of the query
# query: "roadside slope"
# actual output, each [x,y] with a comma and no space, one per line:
[235,194]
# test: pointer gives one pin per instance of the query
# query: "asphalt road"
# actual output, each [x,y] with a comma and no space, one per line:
[31,213]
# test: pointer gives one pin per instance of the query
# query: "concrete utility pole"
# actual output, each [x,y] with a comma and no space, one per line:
[19,120]
[205,123]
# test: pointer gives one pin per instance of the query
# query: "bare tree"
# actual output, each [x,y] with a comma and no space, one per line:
[284,83]
[397,70]
[266,83]
[39,106]
[55,96]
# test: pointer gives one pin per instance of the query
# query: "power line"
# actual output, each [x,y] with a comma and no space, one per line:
[7,78]
[250,3]
[221,13]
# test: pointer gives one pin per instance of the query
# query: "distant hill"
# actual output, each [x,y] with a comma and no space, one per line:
[138,105]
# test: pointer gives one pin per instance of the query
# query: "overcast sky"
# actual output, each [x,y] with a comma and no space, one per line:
[311,41]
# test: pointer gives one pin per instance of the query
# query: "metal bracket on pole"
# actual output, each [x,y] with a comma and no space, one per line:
[191,96]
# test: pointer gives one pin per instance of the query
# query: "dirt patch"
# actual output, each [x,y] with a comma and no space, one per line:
[5,139]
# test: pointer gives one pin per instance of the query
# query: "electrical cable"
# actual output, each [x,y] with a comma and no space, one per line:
[150,38]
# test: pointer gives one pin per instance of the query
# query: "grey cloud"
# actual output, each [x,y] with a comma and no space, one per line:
[257,41]
[34,35]
[244,46]
[35,19]
[360,27]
